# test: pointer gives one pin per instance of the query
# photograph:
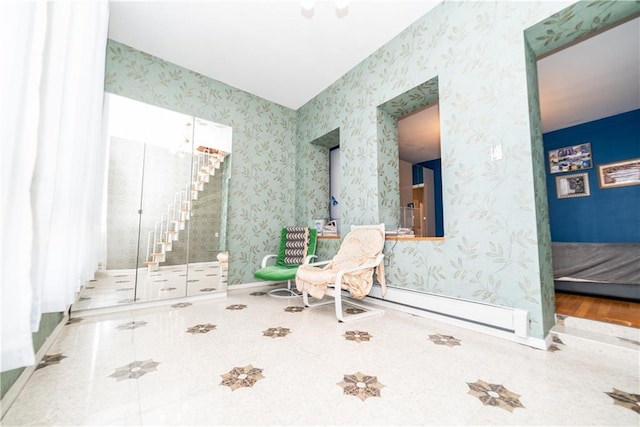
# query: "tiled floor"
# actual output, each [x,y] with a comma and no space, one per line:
[253,359]
[118,287]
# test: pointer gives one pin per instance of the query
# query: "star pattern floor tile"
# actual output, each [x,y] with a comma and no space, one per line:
[447,340]
[273,362]
[630,341]
[495,395]
[240,377]
[135,370]
[357,336]
[181,305]
[201,329]
[626,400]
[361,385]
[50,359]
[277,332]
[132,325]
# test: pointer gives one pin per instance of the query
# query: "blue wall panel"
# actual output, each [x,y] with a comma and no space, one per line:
[436,166]
[607,215]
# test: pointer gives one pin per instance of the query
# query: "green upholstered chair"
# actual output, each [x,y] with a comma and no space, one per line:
[297,247]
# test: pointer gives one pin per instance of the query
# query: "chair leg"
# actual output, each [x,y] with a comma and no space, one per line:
[305,300]
[290,291]
[368,311]
[337,301]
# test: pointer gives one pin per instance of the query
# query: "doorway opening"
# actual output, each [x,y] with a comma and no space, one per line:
[560,33]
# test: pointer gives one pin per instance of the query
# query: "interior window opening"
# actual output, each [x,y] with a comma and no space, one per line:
[327,212]
[410,179]
[420,173]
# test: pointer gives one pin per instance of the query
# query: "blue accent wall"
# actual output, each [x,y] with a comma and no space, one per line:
[607,215]
[418,178]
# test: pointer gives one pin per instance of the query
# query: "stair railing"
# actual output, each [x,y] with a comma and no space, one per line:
[168,228]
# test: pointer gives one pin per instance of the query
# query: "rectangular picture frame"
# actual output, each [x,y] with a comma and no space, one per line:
[619,174]
[572,185]
[570,158]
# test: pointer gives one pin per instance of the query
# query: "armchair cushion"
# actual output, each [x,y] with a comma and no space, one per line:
[296,244]
[358,256]
[277,273]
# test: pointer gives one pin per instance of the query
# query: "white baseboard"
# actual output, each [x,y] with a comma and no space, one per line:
[503,322]
[253,285]
[15,389]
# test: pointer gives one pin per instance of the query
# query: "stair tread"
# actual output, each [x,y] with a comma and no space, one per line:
[570,333]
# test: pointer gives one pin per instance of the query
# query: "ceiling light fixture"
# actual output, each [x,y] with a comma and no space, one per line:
[342,8]
[307,8]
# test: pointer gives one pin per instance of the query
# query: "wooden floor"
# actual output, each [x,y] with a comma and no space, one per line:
[620,312]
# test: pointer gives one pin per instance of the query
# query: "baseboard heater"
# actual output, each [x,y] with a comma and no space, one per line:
[512,320]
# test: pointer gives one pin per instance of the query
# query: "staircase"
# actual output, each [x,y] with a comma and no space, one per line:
[167,230]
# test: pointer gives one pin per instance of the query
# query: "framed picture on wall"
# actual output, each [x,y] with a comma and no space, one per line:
[573,185]
[571,158]
[619,174]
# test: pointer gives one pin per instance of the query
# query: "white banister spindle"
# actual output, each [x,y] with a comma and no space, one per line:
[163,235]
[149,240]
[156,232]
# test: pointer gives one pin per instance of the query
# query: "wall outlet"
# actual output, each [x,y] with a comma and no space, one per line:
[496,152]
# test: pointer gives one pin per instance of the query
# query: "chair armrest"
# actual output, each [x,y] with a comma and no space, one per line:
[266,259]
[320,263]
[308,259]
[372,264]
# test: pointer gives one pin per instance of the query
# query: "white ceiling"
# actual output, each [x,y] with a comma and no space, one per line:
[268,48]
[596,78]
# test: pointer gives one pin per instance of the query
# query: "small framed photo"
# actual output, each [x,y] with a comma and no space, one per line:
[572,158]
[619,174]
[572,185]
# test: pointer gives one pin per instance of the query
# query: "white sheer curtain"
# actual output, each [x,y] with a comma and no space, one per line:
[52,160]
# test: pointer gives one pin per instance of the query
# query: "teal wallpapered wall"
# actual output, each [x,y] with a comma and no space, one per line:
[497,246]
[262,184]
[497,243]
[476,51]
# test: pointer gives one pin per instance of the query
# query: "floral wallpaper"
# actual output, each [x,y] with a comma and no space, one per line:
[577,21]
[497,246]
[497,242]
[261,169]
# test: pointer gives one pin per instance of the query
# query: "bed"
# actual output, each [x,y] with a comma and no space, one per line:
[598,269]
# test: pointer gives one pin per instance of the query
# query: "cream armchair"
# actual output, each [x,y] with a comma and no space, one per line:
[351,270]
